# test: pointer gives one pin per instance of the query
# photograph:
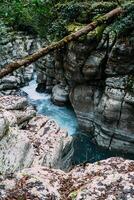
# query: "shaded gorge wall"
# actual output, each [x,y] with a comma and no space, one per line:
[100,89]
[84,146]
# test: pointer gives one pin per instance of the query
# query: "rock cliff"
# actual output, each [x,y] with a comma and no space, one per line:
[98,77]
[94,73]
[95,76]
[14,45]
[105,105]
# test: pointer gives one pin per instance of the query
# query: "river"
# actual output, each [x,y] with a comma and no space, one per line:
[84,149]
[64,116]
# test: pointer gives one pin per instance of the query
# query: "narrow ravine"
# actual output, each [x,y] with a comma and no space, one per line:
[67,100]
[84,149]
[64,116]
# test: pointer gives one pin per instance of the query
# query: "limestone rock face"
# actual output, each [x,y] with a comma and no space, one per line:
[27,140]
[108,115]
[60,94]
[3,125]
[16,151]
[100,85]
[108,179]
[45,69]
[92,67]
[15,45]
[13,102]
[84,98]
[105,104]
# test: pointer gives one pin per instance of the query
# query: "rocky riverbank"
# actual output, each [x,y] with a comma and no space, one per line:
[94,74]
[27,139]
[98,79]
[33,152]
[110,179]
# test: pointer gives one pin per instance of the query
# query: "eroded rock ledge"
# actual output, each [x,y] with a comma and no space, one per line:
[14,45]
[33,152]
[109,179]
[27,139]
[105,103]
[100,87]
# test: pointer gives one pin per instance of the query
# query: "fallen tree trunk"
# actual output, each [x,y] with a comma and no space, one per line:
[43,51]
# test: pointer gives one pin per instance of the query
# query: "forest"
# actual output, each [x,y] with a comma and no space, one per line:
[54,19]
[66,99]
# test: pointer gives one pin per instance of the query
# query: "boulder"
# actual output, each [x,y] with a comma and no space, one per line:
[13,102]
[107,115]
[108,179]
[16,151]
[60,94]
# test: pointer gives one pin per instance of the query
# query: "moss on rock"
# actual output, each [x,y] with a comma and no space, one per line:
[73,27]
[52,19]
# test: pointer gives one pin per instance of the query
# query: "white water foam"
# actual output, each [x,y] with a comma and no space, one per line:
[64,116]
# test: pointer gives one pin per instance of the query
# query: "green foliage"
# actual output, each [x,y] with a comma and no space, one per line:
[125,23]
[74,11]
[99,8]
[28,15]
[50,18]
[73,195]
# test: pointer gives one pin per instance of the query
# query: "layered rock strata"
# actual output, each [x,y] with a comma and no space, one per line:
[106,107]
[97,77]
[15,45]
[27,139]
[100,82]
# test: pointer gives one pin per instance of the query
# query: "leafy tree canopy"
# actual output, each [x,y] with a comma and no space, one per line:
[51,18]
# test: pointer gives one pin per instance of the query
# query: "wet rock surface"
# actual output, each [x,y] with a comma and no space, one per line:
[100,84]
[108,179]
[60,95]
[98,81]
[104,107]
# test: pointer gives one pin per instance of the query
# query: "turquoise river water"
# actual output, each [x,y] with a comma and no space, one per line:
[84,149]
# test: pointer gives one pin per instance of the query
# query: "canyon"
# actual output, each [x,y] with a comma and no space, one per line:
[90,84]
